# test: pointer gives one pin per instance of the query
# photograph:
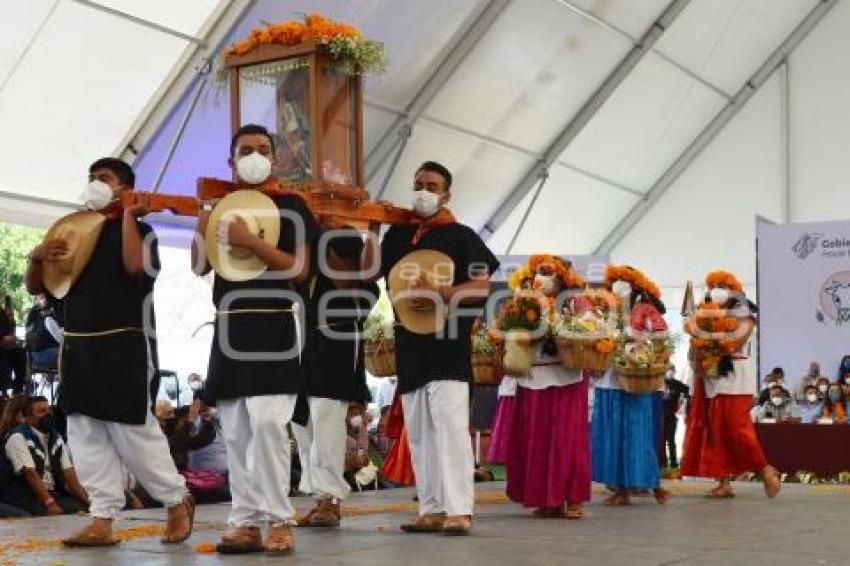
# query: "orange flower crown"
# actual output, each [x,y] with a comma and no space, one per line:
[569,277]
[726,278]
[632,276]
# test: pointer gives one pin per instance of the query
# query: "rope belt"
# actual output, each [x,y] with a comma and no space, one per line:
[294,309]
[96,334]
[110,332]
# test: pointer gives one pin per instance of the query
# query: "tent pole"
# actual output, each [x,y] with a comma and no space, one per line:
[544,176]
[181,129]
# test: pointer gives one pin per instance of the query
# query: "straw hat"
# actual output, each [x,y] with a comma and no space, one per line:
[263,219]
[80,230]
[403,276]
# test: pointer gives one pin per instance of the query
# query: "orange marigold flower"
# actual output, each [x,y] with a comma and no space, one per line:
[605,346]
[531,315]
[205,548]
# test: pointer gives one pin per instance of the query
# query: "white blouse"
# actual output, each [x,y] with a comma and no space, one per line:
[548,372]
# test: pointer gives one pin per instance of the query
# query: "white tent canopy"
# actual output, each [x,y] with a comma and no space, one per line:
[661,127]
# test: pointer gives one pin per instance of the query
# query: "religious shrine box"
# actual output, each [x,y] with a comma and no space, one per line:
[313,109]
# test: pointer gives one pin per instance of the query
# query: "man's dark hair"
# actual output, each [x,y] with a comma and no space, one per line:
[439,169]
[31,401]
[118,166]
[778,371]
[249,130]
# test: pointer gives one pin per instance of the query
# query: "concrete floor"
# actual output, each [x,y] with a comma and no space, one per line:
[804,525]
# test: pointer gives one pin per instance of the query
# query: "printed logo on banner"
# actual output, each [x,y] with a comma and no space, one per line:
[807,243]
[835,298]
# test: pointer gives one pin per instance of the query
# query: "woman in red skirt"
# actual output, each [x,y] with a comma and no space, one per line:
[721,440]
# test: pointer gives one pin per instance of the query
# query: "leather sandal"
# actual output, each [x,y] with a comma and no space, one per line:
[428,523]
[171,535]
[575,511]
[279,541]
[93,535]
[457,525]
[241,540]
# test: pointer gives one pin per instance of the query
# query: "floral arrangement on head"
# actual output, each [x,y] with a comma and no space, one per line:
[725,280]
[545,264]
[342,41]
[633,277]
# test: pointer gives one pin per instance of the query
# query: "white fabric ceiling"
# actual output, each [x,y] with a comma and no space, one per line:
[75,80]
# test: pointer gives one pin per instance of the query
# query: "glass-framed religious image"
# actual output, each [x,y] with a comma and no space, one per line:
[277,96]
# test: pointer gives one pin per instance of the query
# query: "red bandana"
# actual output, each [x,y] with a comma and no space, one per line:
[441,218]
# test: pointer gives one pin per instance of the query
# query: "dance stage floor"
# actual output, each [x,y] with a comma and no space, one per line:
[804,525]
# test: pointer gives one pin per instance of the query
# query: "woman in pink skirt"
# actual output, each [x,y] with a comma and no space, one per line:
[548,456]
[500,435]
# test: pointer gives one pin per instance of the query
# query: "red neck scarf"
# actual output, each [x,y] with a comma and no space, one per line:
[442,218]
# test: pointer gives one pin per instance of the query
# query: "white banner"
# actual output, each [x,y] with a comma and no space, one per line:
[804,297]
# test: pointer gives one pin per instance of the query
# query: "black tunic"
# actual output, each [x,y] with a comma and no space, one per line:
[335,366]
[106,377]
[263,356]
[421,359]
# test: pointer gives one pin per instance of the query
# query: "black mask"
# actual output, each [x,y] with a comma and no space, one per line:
[46,423]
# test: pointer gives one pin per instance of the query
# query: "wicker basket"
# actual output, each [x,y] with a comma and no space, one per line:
[641,380]
[581,353]
[380,358]
[484,370]
[518,355]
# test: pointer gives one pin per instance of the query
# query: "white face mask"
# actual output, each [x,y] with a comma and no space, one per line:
[823,387]
[622,288]
[777,401]
[812,397]
[253,168]
[546,283]
[425,203]
[356,421]
[719,296]
[97,195]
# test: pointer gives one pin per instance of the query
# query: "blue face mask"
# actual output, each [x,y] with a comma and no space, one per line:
[834,396]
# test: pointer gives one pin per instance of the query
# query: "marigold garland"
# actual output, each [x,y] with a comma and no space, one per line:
[341,40]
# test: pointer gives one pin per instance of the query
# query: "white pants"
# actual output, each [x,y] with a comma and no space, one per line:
[324,447]
[258,457]
[98,448]
[437,420]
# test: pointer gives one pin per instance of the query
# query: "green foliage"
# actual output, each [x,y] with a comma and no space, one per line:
[16,242]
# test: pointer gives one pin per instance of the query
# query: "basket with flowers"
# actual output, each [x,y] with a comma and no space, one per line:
[520,324]
[379,345]
[712,337]
[586,331]
[642,364]
[485,370]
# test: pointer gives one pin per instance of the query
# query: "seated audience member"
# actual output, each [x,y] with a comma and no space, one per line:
[39,476]
[213,456]
[43,346]
[778,408]
[823,388]
[13,414]
[811,405]
[834,405]
[775,378]
[811,378]
[359,469]
[177,428]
